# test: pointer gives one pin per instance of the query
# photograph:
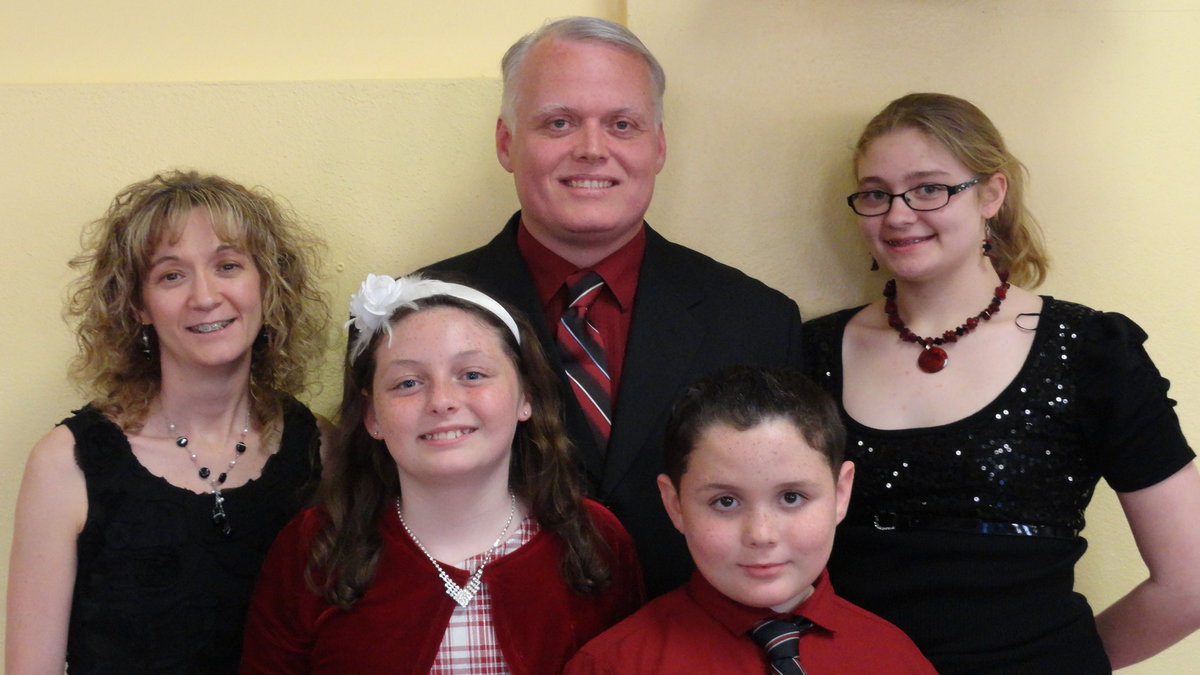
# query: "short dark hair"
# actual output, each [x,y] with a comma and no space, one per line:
[745,396]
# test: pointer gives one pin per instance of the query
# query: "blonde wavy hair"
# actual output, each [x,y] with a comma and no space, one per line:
[974,141]
[111,367]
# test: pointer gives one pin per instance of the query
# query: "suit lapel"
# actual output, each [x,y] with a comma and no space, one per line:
[663,339]
[510,279]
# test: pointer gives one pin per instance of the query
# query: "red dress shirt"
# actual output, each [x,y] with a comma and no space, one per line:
[398,624]
[695,629]
[612,312]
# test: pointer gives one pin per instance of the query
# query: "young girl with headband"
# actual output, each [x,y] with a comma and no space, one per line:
[452,533]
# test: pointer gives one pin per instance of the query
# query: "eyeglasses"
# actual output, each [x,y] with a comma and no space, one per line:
[927,197]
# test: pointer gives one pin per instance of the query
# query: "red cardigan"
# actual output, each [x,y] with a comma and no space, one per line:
[399,622]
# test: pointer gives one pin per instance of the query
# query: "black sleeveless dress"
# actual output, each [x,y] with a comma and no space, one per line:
[158,587]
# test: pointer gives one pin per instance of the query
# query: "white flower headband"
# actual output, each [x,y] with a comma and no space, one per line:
[371,308]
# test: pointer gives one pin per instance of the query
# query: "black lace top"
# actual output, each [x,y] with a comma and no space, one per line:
[159,589]
[966,534]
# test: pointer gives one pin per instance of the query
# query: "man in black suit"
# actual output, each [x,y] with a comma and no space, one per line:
[581,131]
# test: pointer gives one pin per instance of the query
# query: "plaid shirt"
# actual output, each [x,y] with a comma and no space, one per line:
[469,644]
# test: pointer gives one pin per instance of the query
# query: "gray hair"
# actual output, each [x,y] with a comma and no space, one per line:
[578,29]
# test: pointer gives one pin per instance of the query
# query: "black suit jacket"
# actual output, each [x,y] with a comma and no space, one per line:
[691,317]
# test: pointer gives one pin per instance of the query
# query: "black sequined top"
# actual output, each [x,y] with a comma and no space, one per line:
[965,534]
[159,589]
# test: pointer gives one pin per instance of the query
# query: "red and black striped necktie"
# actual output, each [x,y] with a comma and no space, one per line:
[583,356]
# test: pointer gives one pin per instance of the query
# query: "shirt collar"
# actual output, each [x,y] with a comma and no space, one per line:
[550,270]
[738,619]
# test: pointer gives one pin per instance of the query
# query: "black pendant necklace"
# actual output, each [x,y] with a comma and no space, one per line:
[933,358]
[219,519]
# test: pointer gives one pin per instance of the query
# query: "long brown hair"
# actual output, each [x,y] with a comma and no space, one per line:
[363,480]
[111,368]
[975,142]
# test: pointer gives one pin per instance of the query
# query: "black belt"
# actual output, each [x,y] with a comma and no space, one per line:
[900,521]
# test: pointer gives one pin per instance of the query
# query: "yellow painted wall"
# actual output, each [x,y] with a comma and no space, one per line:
[375,121]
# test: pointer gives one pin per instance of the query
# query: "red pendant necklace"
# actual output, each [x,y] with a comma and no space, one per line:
[933,358]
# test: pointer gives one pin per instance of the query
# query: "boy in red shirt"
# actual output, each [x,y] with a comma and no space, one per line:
[756,483]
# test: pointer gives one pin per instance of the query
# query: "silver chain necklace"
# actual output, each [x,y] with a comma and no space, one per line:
[463,595]
[219,519]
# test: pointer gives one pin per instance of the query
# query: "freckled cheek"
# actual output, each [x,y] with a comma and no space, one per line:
[395,419]
[714,541]
[813,536]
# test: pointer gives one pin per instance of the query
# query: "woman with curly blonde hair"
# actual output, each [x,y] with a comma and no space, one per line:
[143,519]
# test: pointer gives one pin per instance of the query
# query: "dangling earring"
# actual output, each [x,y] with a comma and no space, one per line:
[874,264]
[147,347]
[988,241]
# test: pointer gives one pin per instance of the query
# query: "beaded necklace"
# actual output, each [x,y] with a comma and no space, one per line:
[219,519]
[933,358]
[463,595]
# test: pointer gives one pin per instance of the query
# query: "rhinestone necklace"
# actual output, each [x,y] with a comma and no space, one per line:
[933,358]
[463,595]
[219,519]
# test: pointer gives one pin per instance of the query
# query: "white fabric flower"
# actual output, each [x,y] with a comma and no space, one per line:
[375,301]
[372,307]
